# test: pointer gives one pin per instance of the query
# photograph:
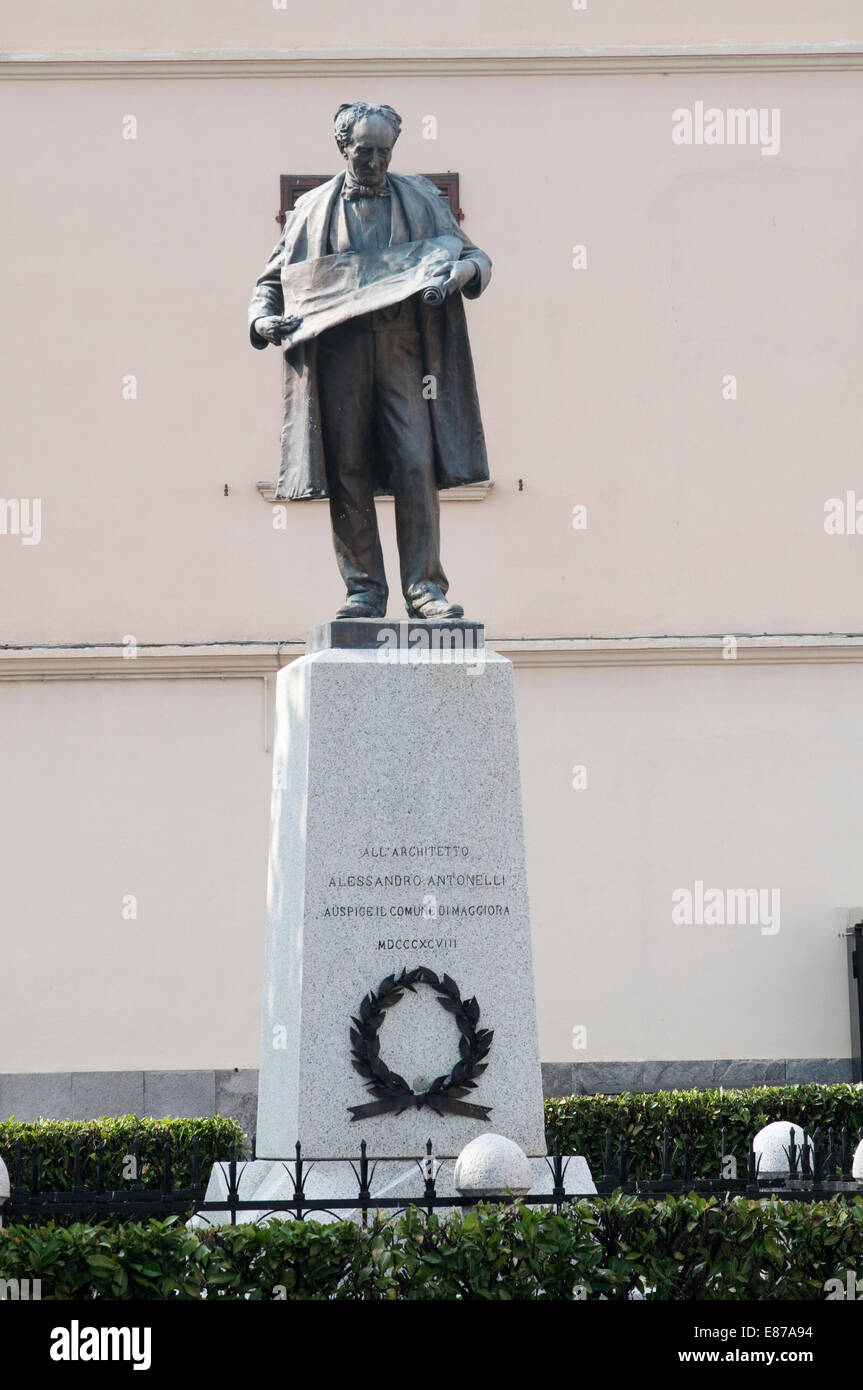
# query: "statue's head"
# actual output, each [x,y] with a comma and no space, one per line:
[365,134]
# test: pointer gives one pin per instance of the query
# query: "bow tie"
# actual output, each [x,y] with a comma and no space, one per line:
[358,190]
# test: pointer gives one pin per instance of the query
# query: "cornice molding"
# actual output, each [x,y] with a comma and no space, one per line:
[245,660]
[730,650]
[181,661]
[429,62]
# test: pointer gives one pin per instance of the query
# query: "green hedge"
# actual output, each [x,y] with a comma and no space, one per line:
[678,1248]
[579,1122]
[55,1141]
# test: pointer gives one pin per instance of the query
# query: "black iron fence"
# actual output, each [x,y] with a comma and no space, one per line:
[821,1166]
[818,1168]
[90,1195]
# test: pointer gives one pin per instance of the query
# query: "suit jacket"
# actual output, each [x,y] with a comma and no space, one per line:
[419,211]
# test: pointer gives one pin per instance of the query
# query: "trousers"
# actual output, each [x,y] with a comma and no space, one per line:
[370,384]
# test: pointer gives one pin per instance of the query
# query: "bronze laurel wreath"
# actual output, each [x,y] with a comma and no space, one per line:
[393,1092]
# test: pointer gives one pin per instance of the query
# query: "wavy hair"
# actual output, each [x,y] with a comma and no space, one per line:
[352,111]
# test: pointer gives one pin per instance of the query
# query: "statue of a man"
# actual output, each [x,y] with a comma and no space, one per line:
[363,292]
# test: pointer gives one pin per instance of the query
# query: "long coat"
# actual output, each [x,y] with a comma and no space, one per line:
[419,211]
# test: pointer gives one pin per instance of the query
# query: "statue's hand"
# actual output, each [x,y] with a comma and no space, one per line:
[276,327]
[458,274]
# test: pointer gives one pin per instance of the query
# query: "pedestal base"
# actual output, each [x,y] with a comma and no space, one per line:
[397,846]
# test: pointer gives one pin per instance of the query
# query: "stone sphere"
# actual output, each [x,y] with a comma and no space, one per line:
[771,1145]
[857,1165]
[491,1166]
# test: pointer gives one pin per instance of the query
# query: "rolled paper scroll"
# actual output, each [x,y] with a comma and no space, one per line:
[433,294]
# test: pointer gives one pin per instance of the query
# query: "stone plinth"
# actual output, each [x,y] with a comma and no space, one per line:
[411,634]
[396,843]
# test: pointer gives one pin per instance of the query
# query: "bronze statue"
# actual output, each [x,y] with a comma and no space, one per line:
[363,293]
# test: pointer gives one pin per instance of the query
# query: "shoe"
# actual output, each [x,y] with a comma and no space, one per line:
[363,606]
[432,603]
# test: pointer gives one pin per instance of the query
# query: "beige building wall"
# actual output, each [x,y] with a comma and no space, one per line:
[293,25]
[600,387]
[132,400]
[135,833]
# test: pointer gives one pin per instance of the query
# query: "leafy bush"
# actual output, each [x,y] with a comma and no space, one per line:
[579,1123]
[676,1248]
[54,1141]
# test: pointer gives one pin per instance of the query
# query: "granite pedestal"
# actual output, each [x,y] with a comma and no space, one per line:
[396,845]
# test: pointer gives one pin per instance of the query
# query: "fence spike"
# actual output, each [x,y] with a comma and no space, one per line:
[687,1160]
[622,1164]
[847,1160]
[430,1190]
[833,1154]
[233,1192]
[558,1190]
[752,1163]
[608,1175]
[791,1152]
[667,1157]
[362,1178]
[806,1156]
[299,1194]
[818,1156]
